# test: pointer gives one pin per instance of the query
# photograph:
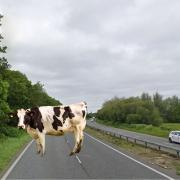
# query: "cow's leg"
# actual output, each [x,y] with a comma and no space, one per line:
[76,137]
[81,137]
[38,145]
[42,142]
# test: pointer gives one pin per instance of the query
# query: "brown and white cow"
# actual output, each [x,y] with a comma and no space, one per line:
[54,120]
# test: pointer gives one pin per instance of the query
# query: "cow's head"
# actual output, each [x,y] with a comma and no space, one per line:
[19,115]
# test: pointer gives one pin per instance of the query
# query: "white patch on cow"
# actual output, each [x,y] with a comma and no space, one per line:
[21,113]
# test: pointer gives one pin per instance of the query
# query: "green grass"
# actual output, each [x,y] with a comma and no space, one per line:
[177,167]
[9,147]
[161,131]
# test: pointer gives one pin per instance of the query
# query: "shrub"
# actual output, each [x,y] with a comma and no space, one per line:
[133,118]
[9,131]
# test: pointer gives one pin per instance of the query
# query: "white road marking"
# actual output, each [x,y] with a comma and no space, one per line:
[80,162]
[78,159]
[152,169]
[15,162]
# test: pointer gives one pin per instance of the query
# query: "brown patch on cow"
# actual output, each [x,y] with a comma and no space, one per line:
[57,111]
[67,113]
[34,119]
[56,123]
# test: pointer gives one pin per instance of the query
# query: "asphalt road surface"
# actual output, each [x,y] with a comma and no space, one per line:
[154,139]
[95,161]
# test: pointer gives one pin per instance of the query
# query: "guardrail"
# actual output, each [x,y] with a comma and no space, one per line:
[146,143]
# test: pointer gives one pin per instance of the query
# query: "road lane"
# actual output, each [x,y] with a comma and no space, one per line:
[103,162]
[94,161]
[55,164]
[140,136]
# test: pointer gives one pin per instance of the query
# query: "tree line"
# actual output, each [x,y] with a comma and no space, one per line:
[145,109]
[17,91]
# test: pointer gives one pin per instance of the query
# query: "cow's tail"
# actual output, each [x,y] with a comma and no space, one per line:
[84,111]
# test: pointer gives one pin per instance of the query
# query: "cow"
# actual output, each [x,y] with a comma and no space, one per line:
[54,120]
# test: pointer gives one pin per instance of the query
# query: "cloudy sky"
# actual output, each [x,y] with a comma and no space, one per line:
[94,50]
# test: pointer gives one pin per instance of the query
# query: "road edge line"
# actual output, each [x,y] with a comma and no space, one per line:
[142,164]
[6,174]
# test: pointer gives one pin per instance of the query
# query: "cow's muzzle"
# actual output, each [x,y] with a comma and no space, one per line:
[21,127]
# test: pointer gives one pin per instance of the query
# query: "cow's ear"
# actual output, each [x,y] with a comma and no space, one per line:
[27,110]
[11,114]
[31,113]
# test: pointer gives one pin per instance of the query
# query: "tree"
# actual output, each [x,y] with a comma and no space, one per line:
[19,90]
[131,110]
[145,96]
[172,109]
[4,108]
[22,94]
[157,99]
[39,97]
[4,65]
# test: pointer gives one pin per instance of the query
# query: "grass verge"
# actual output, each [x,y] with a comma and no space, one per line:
[9,147]
[161,131]
[163,160]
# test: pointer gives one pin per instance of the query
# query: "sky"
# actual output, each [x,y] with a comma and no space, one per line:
[93,50]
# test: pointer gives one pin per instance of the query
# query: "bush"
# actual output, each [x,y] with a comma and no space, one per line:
[156,118]
[9,131]
[157,122]
[133,118]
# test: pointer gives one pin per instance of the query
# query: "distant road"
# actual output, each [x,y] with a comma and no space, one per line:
[154,139]
[96,160]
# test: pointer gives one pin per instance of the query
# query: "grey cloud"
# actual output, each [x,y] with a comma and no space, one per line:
[93,50]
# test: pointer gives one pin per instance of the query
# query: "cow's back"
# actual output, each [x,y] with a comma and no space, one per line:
[68,117]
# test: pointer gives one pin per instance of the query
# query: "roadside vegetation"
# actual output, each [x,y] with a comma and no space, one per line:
[152,156]
[16,91]
[147,114]
[10,146]
[145,109]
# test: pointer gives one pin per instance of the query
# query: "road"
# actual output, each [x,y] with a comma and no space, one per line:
[154,139]
[96,160]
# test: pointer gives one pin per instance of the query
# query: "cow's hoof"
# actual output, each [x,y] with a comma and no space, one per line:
[38,152]
[71,153]
[42,154]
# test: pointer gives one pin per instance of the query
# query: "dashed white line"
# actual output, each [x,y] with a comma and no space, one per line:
[75,155]
[15,162]
[152,169]
[78,159]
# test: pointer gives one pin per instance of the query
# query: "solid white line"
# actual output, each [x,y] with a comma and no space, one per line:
[78,159]
[152,169]
[15,162]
